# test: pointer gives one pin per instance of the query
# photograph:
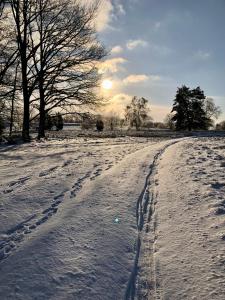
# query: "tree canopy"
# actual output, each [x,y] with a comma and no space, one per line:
[192,110]
[137,112]
[54,48]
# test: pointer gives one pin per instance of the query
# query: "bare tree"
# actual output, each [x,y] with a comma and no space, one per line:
[24,14]
[168,121]
[52,46]
[112,120]
[14,53]
[8,47]
[137,112]
[65,62]
[212,111]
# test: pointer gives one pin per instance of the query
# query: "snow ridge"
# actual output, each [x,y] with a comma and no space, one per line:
[144,215]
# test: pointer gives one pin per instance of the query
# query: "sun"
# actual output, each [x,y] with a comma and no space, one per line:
[107,84]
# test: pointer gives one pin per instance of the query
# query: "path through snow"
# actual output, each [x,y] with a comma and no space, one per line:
[183,253]
[127,218]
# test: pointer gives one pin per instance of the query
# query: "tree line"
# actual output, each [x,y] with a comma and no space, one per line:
[48,56]
[191,110]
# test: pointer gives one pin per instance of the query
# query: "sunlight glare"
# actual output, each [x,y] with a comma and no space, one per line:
[107,84]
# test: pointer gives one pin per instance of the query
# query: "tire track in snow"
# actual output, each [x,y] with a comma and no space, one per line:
[144,216]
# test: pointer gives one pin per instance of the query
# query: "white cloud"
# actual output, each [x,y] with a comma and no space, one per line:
[117,104]
[202,55]
[134,78]
[108,11]
[104,13]
[132,44]
[121,99]
[120,9]
[137,78]
[112,65]
[116,50]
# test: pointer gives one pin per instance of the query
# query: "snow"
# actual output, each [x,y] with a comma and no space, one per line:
[187,234]
[123,218]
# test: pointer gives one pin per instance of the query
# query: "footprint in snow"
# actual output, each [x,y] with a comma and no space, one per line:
[47,172]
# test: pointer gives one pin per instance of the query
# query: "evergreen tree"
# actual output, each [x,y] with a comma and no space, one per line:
[181,107]
[198,118]
[189,109]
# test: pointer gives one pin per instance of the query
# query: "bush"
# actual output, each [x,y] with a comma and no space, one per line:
[220,126]
[99,125]
[148,124]
[87,124]
[51,121]
[160,125]
[59,122]
[48,122]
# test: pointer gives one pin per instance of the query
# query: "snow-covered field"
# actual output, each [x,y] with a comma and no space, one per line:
[123,218]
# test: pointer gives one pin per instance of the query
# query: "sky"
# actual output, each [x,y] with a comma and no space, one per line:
[156,46]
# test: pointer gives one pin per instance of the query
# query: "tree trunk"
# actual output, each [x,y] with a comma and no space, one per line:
[11,116]
[12,104]
[41,129]
[21,19]
[26,98]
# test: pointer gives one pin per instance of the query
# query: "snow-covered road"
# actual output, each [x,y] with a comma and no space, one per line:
[112,219]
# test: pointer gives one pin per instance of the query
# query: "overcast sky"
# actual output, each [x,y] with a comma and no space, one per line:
[158,45]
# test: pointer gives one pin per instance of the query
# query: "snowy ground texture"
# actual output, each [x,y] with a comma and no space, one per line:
[124,218]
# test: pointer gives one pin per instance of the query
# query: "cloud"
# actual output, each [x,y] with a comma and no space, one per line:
[135,78]
[104,14]
[120,9]
[157,25]
[119,101]
[202,55]
[158,49]
[117,104]
[132,44]
[155,77]
[116,50]
[112,65]
[108,11]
